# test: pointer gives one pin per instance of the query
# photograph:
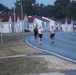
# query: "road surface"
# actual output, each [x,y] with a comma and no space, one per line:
[64,46]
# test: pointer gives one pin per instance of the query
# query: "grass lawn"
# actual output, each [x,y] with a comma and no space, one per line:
[22,66]
[13,44]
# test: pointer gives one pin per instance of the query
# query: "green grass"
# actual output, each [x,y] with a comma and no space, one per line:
[13,37]
[19,66]
[15,44]
[23,66]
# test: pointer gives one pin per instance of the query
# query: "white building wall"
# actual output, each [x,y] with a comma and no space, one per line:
[21,27]
[17,30]
[31,27]
[63,27]
[1,27]
[52,22]
[45,25]
[39,22]
[6,28]
[67,28]
[25,23]
[48,25]
[70,28]
[10,28]
[35,23]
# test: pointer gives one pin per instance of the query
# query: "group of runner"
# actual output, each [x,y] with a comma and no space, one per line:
[38,32]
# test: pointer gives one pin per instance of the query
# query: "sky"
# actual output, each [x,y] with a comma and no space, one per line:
[10,3]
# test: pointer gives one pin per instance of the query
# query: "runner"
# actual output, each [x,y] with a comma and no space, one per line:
[35,33]
[52,35]
[40,32]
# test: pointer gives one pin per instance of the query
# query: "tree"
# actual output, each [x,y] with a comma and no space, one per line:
[72,10]
[27,6]
[36,9]
[4,10]
[49,10]
[41,10]
[60,7]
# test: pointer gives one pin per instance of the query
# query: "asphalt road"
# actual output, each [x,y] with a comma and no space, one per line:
[64,46]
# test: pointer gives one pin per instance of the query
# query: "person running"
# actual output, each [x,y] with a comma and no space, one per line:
[40,32]
[35,33]
[52,35]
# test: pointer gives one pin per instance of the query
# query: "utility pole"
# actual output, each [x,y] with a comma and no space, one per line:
[14,18]
[21,10]
[1,37]
[1,31]
[1,26]
[21,13]
[22,16]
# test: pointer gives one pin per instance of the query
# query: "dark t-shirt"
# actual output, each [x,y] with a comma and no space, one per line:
[35,31]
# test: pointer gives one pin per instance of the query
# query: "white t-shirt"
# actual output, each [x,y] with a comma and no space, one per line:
[52,31]
[40,31]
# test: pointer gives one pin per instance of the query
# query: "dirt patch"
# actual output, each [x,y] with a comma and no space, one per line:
[58,64]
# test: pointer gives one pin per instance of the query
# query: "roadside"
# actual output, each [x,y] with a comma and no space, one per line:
[35,65]
[14,45]
[29,65]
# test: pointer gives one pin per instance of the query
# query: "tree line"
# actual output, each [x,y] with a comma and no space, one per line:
[4,9]
[61,9]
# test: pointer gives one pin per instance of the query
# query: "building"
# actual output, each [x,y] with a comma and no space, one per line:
[67,25]
[72,0]
[16,23]
[30,23]
[13,23]
[36,22]
[6,24]
[53,22]
[44,23]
